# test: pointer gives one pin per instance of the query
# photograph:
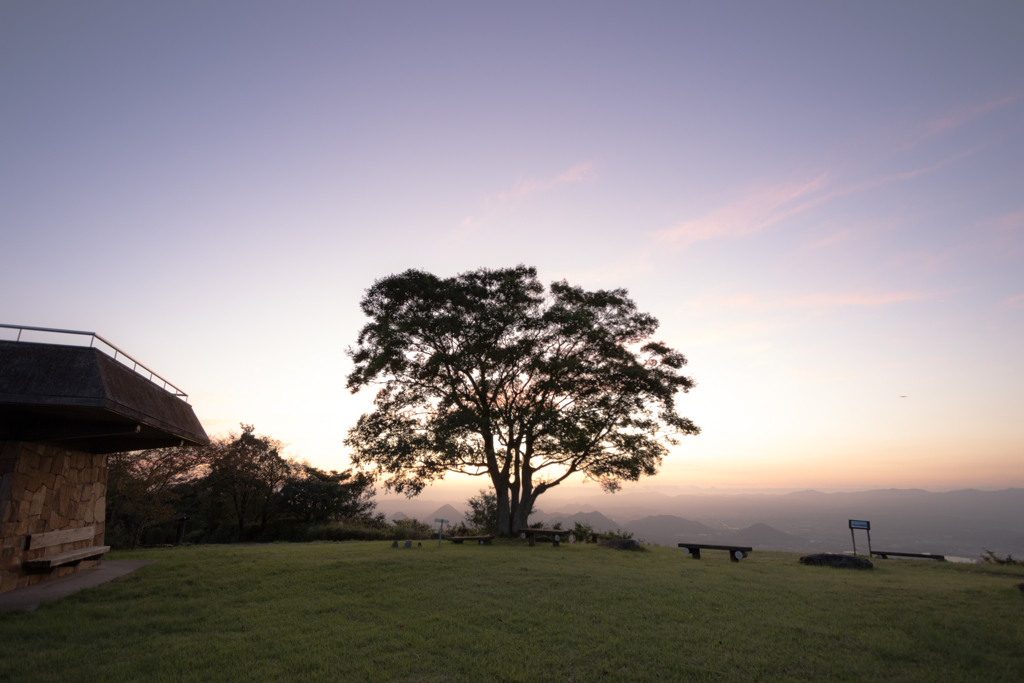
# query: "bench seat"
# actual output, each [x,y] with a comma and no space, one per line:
[884,554]
[555,534]
[71,557]
[735,552]
[481,540]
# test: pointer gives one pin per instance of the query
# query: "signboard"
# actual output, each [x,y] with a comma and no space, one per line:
[440,533]
[863,525]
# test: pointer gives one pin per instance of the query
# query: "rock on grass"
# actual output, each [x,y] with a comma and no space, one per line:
[620,544]
[835,560]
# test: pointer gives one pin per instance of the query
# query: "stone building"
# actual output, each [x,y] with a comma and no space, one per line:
[63,408]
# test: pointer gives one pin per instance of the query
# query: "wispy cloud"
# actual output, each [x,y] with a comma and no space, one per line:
[841,299]
[952,119]
[578,173]
[525,187]
[756,211]
[1014,301]
[834,238]
[815,300]
[763,208]
[963,115]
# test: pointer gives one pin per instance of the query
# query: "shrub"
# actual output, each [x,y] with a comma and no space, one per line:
[584,533]
[989,557]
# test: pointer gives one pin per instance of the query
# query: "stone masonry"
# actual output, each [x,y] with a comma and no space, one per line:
[47,488]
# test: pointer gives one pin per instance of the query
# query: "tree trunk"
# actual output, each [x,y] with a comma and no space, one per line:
[501,492]
[526,497]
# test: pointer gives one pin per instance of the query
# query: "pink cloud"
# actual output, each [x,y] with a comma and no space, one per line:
[492,204]
[578,173]
[747,215]
[763,208]
[838,299]
[817,300]
[1014,301]
[832,239]
[962,115]
[1010,225]
[1003,235]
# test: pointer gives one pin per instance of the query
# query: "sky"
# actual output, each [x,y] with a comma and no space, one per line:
[822,203]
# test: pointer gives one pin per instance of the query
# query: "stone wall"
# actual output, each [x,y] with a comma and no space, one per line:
[46,488]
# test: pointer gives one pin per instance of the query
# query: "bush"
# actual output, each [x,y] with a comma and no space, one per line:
[369,529]
[584,533]
[989,557]
[483,514]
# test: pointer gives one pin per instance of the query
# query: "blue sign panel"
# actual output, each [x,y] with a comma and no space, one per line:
[860,524]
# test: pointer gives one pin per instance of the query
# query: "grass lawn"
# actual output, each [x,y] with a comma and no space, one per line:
[365,611]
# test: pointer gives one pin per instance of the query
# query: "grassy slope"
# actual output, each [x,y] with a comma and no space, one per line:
[366,611]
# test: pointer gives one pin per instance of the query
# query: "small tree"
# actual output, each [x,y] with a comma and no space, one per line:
[488,374]
[483,511]
[141,485]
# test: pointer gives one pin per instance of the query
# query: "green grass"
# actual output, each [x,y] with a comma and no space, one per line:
[365,611]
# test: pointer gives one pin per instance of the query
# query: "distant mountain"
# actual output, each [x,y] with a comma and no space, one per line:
[669,530]
[596,520]
[765,537]
[445,512]
[399,517]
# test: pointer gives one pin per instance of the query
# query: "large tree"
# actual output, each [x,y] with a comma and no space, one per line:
[489,374]
[247,469]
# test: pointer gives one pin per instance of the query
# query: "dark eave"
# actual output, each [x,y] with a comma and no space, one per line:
[81,399]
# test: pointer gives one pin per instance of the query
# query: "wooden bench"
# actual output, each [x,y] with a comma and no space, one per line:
[481,540]
[736,553]
[884,554]
[68,558]
[555,534]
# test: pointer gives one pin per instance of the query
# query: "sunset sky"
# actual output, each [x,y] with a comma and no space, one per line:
[823,204]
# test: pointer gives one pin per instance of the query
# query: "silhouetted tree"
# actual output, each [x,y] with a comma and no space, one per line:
[141,486]
[313,495]
[483,511]
[486,373]
[247,470]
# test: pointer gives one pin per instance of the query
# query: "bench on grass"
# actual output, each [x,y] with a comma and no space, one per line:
[884,554]
[555,534]
[736,553]
[68,558]
[481,540]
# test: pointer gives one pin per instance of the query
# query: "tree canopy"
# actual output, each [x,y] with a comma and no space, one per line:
[490,374]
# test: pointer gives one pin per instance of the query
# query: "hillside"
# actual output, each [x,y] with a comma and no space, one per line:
[762,536]
[596,520]
[445,512]
[670,530]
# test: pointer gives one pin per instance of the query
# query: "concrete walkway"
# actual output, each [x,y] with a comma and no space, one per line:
[28,598]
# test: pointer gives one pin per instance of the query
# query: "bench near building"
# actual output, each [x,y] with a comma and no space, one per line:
[63,408]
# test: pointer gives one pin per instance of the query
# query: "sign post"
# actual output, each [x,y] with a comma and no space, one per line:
[860,524]
[440,533]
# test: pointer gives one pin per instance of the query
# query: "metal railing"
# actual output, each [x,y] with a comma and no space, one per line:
[118,355]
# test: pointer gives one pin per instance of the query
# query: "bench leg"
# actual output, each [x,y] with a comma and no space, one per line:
[533,540]
[695,552]
[554,544]
[732,556]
